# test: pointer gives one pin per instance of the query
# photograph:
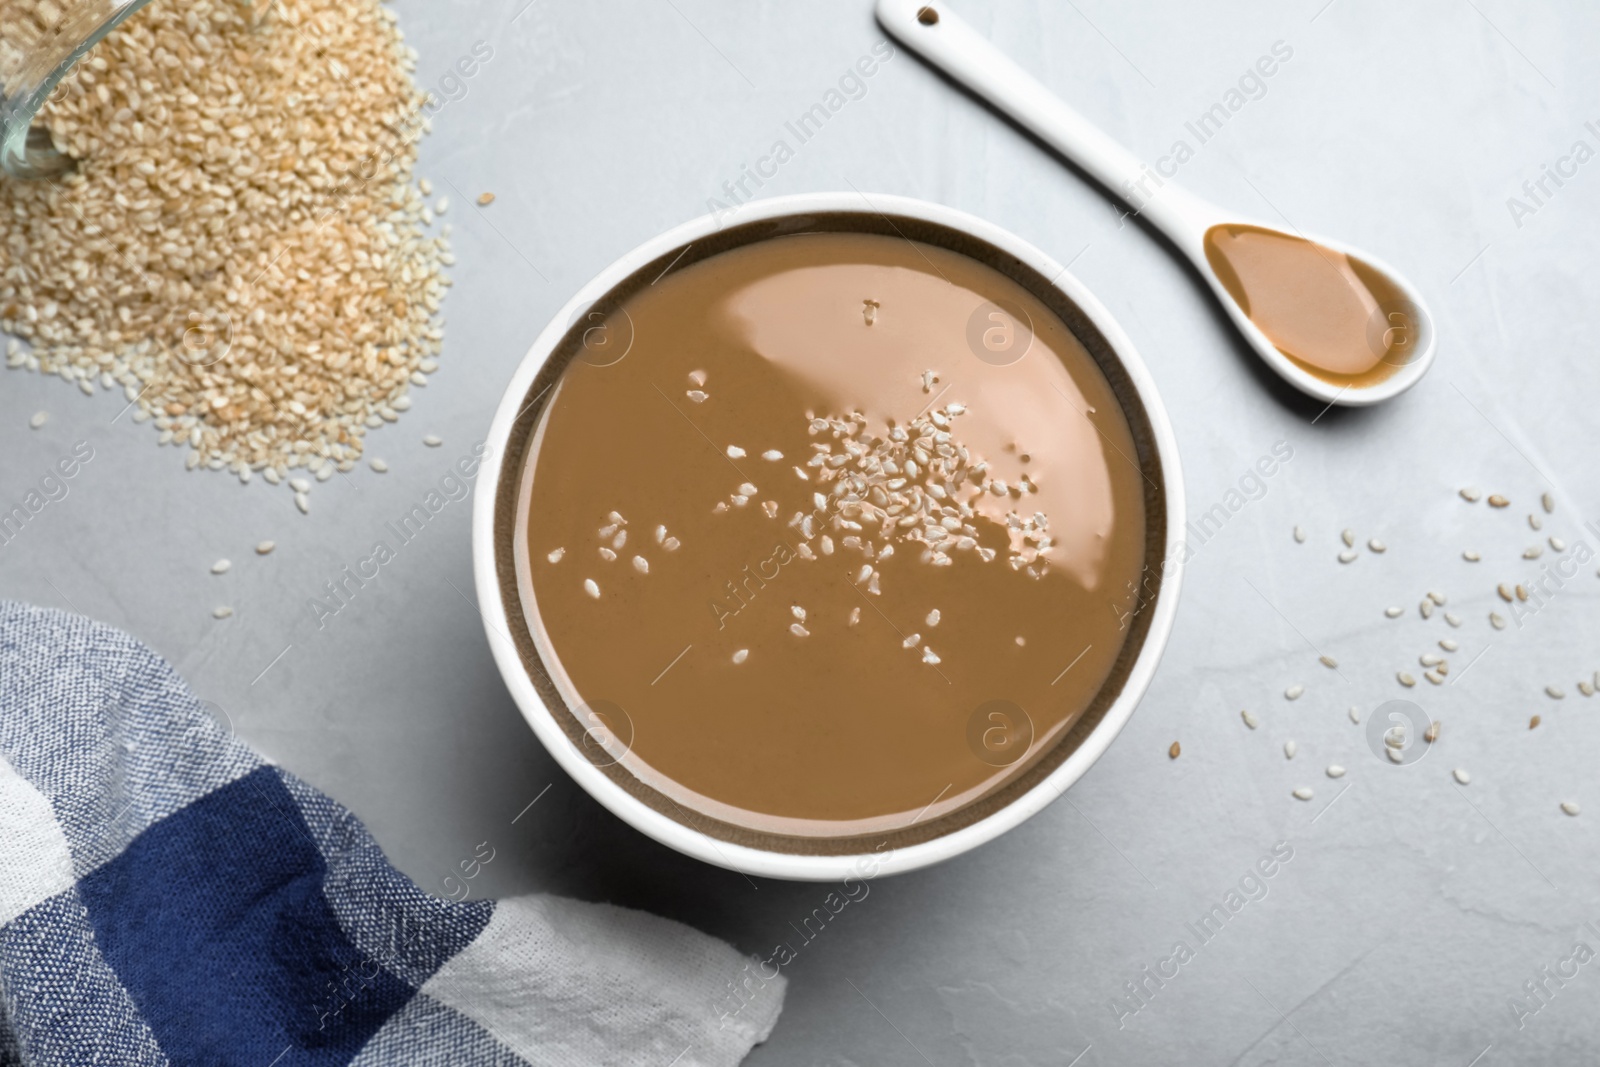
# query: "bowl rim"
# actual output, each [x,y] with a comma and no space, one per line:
[805,866]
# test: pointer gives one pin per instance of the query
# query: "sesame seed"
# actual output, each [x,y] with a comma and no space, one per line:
[798,630]
[1249,719]
[1355,715]
[735,452]
[1533,722]
[1430,659]
[929,656]
[1471,496]
[1557,545]
[741,655]
[1405,679]
[1329,662]
[432,440]
[1021,640]
[697,396]
[1335,771]
[1586,688]
[1535,523]
[1394,613]
[1289,749]
[1437,598]
[1347,556]
[1498,501]
[38,419]
[221,566]
[1174,751]
[607,555]
[265,547]
[855,616]
[772,455]
[1426,608]
[300,485]
[1461,775]
[933,617]
[1471,556]
[1452,619]
[1349,538]
[697,378]
[1303,793]
[912,641]
[378,465]
[1448,644]
[671,544]
[556,554]
[221,612]
[1496,620]
[591,587]
[1522,592]
[1549,503]
[1570,807]
[1555,692]
[641,564]
[302,502]
[1376,545]
[1293,692]
[1533,553]
[1299,536]
[485,199]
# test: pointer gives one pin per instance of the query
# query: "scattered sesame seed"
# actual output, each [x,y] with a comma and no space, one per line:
[378,465]
[671,544]
[1586,688]
[265,547]
[1394,613]
[1249,719]
[1570,807]
[1173,752]
[1376,545]
[1471,495]
[1347,556]
[1557,545]
[1535,523]
[1335,771]
[1293,692]
[929,657]
[221,566]
[798,630]
[1533,553]
[1434,676]
[432,440]
[1555,692]
[1329,662]
[1522,592]
[1430,659]
[741,655]
[1449,644]
[911,641]
[1303,793]
[1289,749]
[1498,501]
[1533,723]
[1461,775]
[1452,619]
[591,587]
[300,485]
[221,612]
[772,455]
[1471,556]
[1406,679]
[1437,598]
[697,378]
[735,452]
[1299,536]
[698,396]
[38,419]
[1431,734]
[1348,536]
[641,564]
[1549,503]
[555,556]
[1426,608]
[1496,620]
[302,502]
[1355,715]
[485,199]
[933,617]
[855,616]
[1021,641]
[607,555]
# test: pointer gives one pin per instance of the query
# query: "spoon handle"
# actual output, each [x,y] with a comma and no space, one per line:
[945,40]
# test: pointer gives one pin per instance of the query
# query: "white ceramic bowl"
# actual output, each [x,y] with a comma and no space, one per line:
[494,526]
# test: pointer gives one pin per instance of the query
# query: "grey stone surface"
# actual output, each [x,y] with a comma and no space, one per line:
[1412,908]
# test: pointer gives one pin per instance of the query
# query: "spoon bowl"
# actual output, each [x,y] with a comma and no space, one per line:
[1336,323]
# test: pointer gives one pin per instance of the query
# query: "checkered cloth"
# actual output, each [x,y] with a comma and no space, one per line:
[167,897]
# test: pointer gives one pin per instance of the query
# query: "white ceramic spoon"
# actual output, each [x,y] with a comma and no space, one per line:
[941,37]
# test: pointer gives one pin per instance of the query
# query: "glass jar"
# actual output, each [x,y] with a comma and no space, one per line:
[40,40]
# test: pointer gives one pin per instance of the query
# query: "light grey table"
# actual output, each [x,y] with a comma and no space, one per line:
[1412,909]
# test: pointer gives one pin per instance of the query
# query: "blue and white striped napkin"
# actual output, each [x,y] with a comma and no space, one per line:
[168,897]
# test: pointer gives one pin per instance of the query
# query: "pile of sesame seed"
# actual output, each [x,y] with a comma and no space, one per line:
[240,248]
